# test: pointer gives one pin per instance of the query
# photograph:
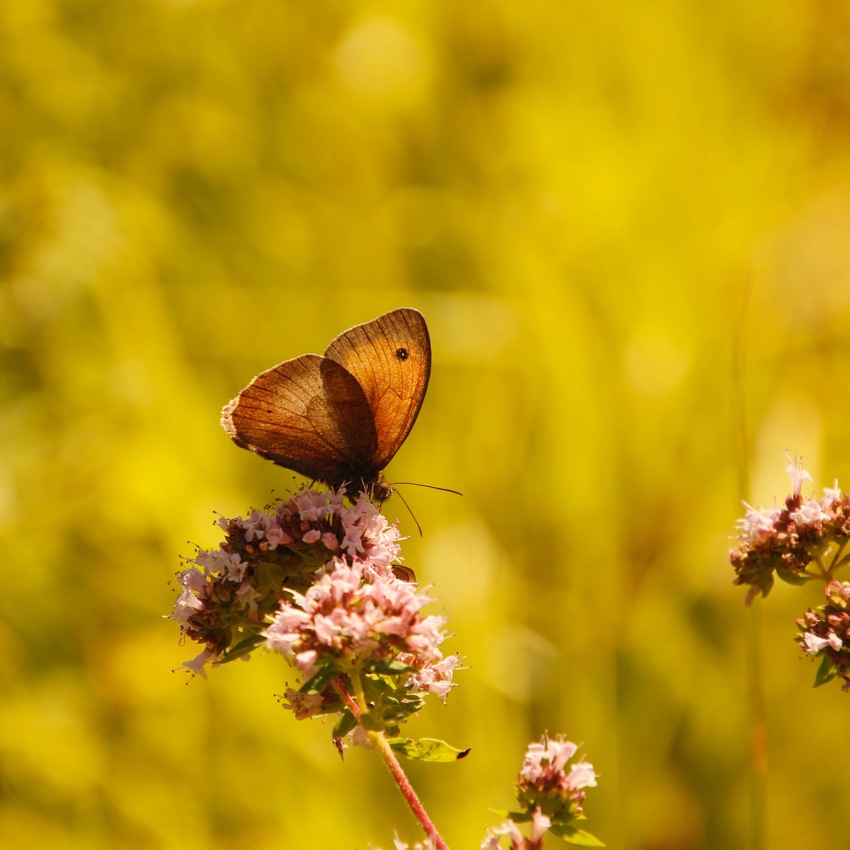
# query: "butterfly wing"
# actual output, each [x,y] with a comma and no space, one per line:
[309,415]
[390,358]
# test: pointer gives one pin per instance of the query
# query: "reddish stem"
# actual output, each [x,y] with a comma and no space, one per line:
[349,700]
[379,742]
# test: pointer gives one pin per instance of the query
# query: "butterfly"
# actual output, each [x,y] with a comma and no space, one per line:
[340,418]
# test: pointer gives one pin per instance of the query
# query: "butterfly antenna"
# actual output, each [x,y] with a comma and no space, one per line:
[418,526]
[429,486]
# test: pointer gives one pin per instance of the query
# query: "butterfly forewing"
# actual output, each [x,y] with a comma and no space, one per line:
[309,415]
[390,358]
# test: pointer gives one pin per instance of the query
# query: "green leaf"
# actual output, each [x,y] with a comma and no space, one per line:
[244,647]
[427,749]
[826,672]
[344,725]
[391,668]
[395,711]
[791,577]
[576,836]
[317,684]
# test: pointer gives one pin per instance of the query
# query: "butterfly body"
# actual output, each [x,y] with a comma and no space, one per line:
[339,418]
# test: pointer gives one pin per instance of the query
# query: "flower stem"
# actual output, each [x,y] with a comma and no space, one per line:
[379,742]
[357,705]
[353,707]
[836,558]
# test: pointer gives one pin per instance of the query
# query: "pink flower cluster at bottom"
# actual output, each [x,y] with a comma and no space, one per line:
[355,613]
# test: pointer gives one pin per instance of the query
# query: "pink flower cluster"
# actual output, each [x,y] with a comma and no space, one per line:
[786,541]
[825,632]
[427,844]
[314,522]
[228,592]
[358,614]
[544,778]
[540,825]
[551,794]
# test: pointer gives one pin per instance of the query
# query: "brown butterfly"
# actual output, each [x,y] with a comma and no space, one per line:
[340,418]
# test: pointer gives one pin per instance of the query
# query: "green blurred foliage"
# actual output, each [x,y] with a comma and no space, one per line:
[627,225]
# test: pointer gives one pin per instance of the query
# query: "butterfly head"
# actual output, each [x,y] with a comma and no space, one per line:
[375,489]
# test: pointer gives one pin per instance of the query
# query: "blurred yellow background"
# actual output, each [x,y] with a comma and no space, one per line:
[627,226]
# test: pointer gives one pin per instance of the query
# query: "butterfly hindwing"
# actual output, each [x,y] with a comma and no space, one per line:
[309,415]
